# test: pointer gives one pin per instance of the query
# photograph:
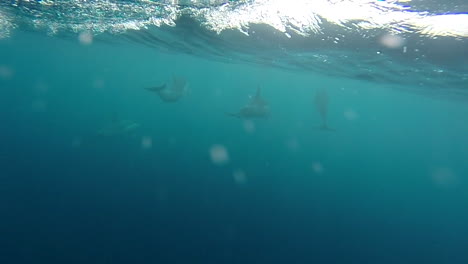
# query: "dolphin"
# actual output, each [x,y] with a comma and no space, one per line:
[257,107]
[118,127]
[321,104]
[113,129]
[172,93]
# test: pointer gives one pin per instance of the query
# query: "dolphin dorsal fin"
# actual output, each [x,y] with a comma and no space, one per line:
[258,94]
[179,83]
[257,99]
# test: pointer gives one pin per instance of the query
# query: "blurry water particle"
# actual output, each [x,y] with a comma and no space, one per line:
[162,194]
[172,141]
[405,49]
[5,72]
[39,106]
[41,88]
[85,38]
[317,167]
[219,154]
[292,144]
[350,115]
[76,142]
[392,41]
[146,142]
[239,176]
[98,84]
[230,232]
[249,126]
[218,92]
[444,177]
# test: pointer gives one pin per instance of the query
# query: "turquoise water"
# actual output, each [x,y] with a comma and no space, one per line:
[183,182]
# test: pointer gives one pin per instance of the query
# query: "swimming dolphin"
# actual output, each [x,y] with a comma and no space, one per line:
[173,93]
[321,103]
[257,107]
[118,127]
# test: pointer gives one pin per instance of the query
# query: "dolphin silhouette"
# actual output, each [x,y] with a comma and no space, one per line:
[118,127]
[173,93]
[321,103]
[257,107]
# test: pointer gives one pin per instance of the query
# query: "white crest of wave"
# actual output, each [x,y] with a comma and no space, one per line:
[305,17]
[5,25]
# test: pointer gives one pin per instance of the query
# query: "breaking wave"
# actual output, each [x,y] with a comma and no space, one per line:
[422,45]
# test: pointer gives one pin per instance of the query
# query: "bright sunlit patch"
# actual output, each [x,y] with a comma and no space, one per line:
[219,154]
[453,25]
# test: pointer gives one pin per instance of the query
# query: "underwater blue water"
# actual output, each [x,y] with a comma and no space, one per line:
[387,185]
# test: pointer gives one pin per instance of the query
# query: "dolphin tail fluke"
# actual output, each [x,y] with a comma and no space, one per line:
[325,127]
[156,88]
